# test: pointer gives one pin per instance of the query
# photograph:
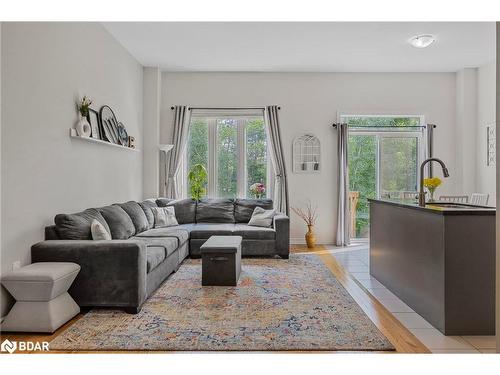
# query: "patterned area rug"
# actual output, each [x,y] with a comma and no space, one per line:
[278,305]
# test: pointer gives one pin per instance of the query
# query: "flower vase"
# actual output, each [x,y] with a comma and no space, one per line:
[310,237]
[83,127]
[431,191]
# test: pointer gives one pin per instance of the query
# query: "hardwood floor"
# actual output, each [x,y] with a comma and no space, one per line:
[402,339]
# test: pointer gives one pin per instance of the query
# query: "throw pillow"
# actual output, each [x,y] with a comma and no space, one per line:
[146,207]
[77,226]
[262,218]
[120,224]
[99,232]
[137,215]
[164,217]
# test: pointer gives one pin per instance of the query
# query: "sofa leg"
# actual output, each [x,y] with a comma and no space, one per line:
[285,256]
[133,309]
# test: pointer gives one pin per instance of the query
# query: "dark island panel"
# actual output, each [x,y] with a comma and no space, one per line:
[442,266]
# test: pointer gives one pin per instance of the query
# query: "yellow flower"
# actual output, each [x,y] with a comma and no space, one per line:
[432,183]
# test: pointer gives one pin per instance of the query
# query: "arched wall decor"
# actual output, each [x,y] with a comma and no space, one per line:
[306,154]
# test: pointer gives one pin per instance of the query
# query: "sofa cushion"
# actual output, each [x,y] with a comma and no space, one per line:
[181,234]
[164,217]
[254,233]
[185,210]
[215,211]
[204,231]
[77,226]
[146,207]
[243,208]
[119,222]
[162,202]
[169,244]
[155,255]
[137,215]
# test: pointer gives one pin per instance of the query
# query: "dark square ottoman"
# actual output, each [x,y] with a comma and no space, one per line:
[221,261]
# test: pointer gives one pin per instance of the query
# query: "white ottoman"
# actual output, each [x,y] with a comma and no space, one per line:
[42,300]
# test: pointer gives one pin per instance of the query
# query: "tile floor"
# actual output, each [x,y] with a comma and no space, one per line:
[356,260]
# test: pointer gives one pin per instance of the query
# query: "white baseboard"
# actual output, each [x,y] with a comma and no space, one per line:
[302,241]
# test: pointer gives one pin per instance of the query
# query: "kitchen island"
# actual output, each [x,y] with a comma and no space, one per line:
[439,260]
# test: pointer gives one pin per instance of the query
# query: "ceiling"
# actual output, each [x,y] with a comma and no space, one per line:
[306,46]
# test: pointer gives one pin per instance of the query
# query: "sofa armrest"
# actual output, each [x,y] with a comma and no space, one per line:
[281,224]
[113,273]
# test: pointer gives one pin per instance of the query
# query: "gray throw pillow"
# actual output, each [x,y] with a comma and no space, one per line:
[137,215]
[163,202]
[164,217]
[77,226]
[99,232]
[262,218]
[215,211]
[243,208]
[185,210]
[146,206]
[120,224]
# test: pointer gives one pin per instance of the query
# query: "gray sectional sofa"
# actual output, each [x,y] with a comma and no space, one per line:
[124,271]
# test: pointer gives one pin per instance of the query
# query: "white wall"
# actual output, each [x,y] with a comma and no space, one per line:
[46,67]
[486,108]
[4,296]
[310,102]
[466,130]
[497,102]
[151,125]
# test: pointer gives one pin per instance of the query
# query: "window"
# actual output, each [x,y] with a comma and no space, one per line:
[384,153]
[233,149]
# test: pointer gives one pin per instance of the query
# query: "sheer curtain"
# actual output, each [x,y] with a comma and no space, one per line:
[174,159]
[280,198]
[343,222]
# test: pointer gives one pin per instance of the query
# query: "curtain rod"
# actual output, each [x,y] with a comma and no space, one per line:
[225,108]
[386,126]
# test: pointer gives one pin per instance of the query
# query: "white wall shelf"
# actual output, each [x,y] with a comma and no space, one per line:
[73,134]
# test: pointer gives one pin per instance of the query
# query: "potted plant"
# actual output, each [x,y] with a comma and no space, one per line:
[258,190]
[432,184]
[83,128]
[309,215]
[197,177]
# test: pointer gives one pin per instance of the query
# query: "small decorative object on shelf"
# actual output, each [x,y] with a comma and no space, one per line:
[93,118]
[309,215]
[83,127]
[258,190]
[131,142]
[122,134]
[109,124]
[432,184]
[491,157]
[306,154]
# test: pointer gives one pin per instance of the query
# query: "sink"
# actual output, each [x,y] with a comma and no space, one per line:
[454,205]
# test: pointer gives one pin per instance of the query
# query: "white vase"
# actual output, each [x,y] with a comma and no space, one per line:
[83,127]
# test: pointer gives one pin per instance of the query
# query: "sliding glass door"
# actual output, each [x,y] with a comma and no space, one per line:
[383,163]
[362,156]
[398,165]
